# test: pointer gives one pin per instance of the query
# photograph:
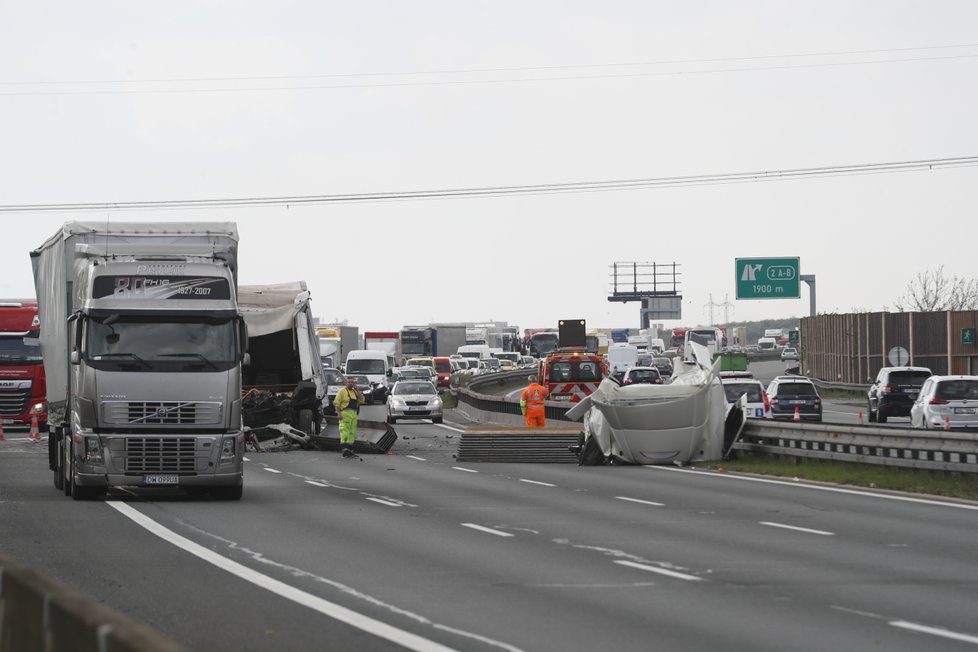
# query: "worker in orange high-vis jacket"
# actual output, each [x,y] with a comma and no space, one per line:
[531,404]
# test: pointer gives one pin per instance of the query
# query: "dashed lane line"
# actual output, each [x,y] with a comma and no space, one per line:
[488,530]
[415,457]
[462,468]
[640,501]
[543,484]
[383,502]
[657,569]
[798,529]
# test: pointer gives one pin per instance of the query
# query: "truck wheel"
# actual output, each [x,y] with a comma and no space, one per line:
[78,492]
[54,454]
[305,421]
[591,453]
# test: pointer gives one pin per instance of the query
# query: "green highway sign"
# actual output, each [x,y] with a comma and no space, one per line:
[768,278]
[968,336]
[793,337]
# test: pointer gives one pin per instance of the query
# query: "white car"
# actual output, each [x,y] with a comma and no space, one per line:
[946,402]
[758,406]
[334,382]
[414,399]
[789,353]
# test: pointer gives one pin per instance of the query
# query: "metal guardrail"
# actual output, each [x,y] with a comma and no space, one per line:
[489,403]
[898,447]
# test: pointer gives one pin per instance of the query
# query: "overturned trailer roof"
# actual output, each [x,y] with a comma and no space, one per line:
[682,421]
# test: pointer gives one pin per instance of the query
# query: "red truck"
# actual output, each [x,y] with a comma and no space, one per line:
[22,385]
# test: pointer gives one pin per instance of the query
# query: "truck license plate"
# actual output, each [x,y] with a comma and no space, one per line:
[161,479]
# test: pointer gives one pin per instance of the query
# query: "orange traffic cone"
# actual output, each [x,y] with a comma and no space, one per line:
[860,417]
[947,423]
[2,438]
[797,414]
[35,434]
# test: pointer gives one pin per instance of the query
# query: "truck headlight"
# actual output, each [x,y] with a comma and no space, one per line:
[93,451]
[39,408]
[227,450]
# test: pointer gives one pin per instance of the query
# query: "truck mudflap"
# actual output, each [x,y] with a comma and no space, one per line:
[373,437]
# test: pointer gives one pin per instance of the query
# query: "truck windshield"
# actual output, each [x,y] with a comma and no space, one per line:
[161,343]
[20,349]
[544,343]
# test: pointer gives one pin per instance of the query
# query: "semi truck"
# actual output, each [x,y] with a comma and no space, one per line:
[284,349]
[335,342]
[387,341]
[143,346]
[22,383]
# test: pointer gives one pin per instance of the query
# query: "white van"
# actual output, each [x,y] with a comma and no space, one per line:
[621,357]
[477,351]
[373,365]
[657,345]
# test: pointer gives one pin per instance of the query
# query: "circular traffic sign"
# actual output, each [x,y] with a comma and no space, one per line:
[898,356]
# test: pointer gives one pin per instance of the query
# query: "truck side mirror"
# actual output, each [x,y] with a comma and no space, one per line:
[246,359]
[243,336]
[75,357]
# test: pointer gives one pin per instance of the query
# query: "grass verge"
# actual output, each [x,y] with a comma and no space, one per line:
[935,483]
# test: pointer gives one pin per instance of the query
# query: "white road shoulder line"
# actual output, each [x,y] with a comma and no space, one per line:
[936,631]
[638,500]
[462,468]
[488,530]
[543,484]
[316,484]
[802,485]
[415,457]
[383,502]
[656,569]
[300,597]
[442,425]
[798,529]
[272,470]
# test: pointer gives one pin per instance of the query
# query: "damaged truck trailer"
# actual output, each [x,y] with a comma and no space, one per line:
[143,346]
[284,379]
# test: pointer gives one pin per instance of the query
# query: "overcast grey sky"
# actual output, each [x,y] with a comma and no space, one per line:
[283,99]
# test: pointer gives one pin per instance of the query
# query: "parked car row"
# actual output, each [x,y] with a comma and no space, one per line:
[931,402]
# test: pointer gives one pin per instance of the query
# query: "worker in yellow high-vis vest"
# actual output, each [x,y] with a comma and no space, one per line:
[347,403]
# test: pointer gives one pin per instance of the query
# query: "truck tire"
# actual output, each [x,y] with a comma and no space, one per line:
[305,421]
[54,455]
[591,453]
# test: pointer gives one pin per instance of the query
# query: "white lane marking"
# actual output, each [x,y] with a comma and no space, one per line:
[936,631]
[316,484]
[272,470]
[798,529]
[487,529]
[656,569]
[442,425]
[384,502]
[544,484]
[868,494]
[245,459]
[637,500]
[300,597]
[415,457]
[460,468]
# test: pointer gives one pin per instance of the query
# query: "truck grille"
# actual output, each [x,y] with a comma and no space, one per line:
[160,454]
[13,403]
[162,413]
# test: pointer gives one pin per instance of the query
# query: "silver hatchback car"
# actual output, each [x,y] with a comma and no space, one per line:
[414,399]
[946,402]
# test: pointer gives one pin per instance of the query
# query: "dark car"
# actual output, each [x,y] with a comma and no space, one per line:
[371,391]
[894,392]
[794,395]
[639,375]
[664,365]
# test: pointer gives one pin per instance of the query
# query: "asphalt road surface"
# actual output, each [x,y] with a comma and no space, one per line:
[414,551]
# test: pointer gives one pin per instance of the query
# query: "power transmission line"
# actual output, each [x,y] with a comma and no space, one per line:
[459,71]
[502,191]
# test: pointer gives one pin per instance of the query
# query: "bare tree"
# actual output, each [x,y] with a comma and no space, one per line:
[933,290]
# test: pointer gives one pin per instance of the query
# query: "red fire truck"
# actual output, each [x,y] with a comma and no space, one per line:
[571,373]
[22,384]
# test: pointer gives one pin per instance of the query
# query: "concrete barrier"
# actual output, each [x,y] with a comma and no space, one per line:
[40,614]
